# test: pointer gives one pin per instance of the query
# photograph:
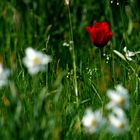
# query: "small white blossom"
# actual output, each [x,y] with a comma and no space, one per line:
[117,3]
[35,61]
[118,97]
[4,74]
[67,2]
[111,1]
[118,123]
[93,121]
[128,54]
[66,44]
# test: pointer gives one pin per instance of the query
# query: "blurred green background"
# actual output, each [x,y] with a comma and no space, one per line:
[29,109]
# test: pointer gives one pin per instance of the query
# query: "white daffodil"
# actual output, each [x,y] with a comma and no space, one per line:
[4,74]
[118,97]
[35,61]
[93,121]
[118,123]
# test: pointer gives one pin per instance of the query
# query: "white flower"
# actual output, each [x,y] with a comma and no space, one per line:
[118,112]
[118,123]
[118,97]
[35,61]
[128,54]
[93,121]
[67,2]
[66,44]
[4,74]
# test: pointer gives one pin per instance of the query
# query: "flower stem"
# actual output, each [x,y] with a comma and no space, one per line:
[114,44]
[100,58]
[47,77]
[73,57]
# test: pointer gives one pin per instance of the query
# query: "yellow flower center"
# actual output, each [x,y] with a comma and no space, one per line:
[121,125]
[36,61]
[94,123]
[121,101]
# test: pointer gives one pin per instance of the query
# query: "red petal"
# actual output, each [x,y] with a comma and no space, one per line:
[88,28]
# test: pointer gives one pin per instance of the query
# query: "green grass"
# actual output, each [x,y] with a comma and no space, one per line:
[45,106]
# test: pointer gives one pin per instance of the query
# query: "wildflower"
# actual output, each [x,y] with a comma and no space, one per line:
[111,1]
[35,61]
[67,2]
[129,54]
[119,97]
[66,44]
[117,3]
[100,33]
[4,74]
[118,123]
[93,121]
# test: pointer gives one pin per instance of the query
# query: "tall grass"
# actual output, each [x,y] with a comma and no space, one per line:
[51,104]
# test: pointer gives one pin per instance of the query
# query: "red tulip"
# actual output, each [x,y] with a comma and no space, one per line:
[100,33]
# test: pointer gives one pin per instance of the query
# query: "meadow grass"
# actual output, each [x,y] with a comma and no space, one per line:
[51,104]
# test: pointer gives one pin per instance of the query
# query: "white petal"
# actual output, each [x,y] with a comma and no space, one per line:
[129,54]
[112,94]
[118,112]
[110,105]
[125,49]
[27,62]
[33,70]
[30,53]
[119,54]
[46,59]
[121,89]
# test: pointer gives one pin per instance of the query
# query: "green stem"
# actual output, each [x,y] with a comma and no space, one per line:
[101,57]
[114,43]
[47,77]
[73,57]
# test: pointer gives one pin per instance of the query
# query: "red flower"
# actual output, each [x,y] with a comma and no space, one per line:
[100,33]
